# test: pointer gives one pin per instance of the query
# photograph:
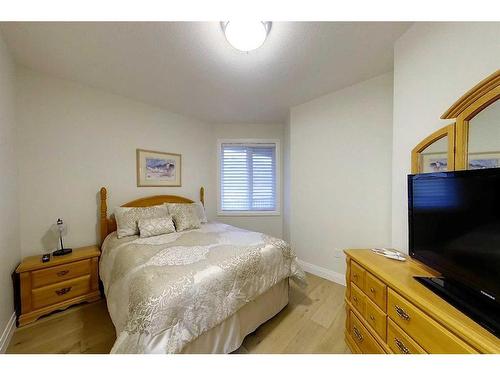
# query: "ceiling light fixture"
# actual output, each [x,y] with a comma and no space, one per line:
[246,35]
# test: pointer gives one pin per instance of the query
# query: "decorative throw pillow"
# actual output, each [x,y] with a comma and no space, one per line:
[155,226]
[127,218]
[184,216]
[200,211]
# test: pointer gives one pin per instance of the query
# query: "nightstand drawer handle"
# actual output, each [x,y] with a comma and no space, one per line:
[355,276]
[372,290]
[63,291]
[402,347]
[62,273]
[357,335]
[400,311]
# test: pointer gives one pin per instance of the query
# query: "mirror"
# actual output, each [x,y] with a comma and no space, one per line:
[435,153]
[472,141]
[483,149]
[435,157]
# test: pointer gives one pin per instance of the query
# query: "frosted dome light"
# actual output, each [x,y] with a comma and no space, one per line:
[246,35]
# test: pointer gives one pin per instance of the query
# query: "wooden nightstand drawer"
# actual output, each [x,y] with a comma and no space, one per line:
[376,290]
[376,318]
[54,293]
[362,337]
[358,275]
[358,299]
[42,288]
[433,337]
[400,342]
[60,273]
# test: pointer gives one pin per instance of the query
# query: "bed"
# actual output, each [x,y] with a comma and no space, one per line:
[197,291]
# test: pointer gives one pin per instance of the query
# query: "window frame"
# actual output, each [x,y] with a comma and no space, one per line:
[276,142]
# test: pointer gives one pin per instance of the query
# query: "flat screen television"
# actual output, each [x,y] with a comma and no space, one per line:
[454,227]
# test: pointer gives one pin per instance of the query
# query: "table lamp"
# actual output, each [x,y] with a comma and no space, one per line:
[62,229]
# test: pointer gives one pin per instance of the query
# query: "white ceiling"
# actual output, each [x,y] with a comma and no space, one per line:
[189,68]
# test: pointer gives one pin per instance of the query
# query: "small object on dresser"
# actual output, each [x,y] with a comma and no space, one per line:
[389,253]
[45,258]
[62,229]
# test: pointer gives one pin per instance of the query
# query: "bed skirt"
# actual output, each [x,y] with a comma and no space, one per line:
[229,334]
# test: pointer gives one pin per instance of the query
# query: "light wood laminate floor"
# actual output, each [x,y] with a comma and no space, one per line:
[313,322]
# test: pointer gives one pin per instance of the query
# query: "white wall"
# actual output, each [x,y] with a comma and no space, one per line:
[10,253]
[340,167]
[272,225]
[434,64]
[75,139]
[286,184]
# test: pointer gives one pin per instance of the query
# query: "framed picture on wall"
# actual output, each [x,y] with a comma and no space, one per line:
[155,168]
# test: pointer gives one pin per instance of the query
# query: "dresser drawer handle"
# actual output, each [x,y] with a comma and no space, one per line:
[63,291]
[372,290]
[372,318]
[403,314]
[355,299]
[62,273]
[402,347]
[355,275]
[357,334]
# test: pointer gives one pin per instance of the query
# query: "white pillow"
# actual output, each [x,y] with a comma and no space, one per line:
[127,218]
[184,216]
[155,226]
[198,209]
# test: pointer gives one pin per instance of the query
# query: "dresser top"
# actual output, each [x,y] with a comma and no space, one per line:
[399,277]
[34,262]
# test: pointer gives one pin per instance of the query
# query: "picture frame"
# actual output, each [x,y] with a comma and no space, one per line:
[434,162]
[158,169]
[438,161]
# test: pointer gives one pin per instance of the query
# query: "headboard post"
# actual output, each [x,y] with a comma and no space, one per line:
[104,214]
[202,196]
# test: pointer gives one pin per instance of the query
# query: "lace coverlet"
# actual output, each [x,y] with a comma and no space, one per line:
[165,291]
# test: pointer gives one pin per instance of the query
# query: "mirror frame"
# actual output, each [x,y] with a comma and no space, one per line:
[464,109]
[449,131]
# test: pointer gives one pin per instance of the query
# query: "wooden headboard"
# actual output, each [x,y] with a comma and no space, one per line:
[108,224]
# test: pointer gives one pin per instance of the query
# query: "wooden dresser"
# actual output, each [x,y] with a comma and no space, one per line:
[57,284]
[388,311]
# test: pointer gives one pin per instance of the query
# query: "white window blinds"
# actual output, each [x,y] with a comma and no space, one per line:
[248,177]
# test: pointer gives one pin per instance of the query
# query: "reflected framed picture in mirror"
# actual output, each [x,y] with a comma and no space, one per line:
[484,160]
[438,162]
[434,162]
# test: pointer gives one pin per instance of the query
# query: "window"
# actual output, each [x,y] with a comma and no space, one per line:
[248,177]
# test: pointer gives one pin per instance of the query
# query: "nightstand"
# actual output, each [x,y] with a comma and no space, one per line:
[57,284]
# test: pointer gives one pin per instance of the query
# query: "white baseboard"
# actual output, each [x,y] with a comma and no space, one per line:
[7,333]
[325,273]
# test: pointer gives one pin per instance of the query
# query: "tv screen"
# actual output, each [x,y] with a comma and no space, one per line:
[454,226]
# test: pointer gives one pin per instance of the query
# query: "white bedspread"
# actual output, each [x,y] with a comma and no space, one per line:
[165,291]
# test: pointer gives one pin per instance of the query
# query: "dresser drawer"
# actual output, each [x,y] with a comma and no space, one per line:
[52,294]
[358,299]
[428,333]
[376,290]
[63,272]
[376,318]
[362,337]
[358,275]
[400,342]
